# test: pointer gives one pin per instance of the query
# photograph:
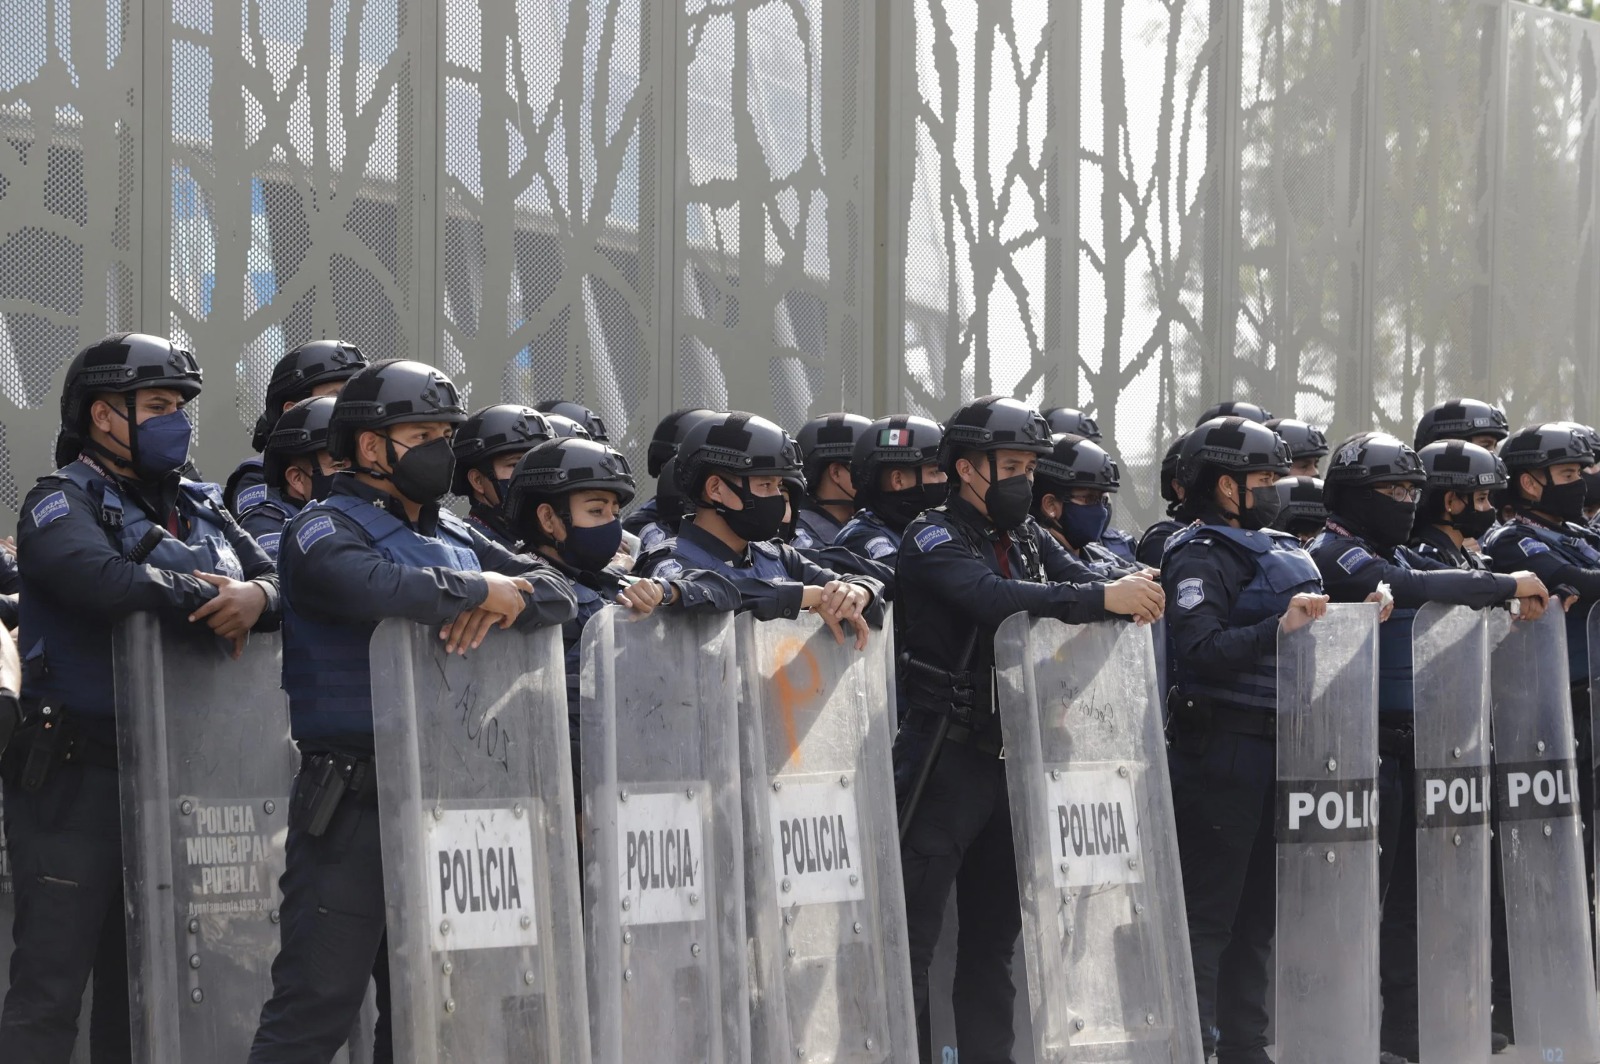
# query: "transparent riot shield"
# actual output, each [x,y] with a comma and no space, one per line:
[663,840]
[1327,835]
[206,766]
[1450,681]
[825,904]
[479,834]
[1548,931]
[1103,923]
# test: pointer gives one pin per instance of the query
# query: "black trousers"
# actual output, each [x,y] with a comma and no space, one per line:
[65,843]
[1397,889]
[333,941]
[961,838]
[1223,796]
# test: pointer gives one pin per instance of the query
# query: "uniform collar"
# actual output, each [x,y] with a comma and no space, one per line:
[427,522]
[963,511]
[1433,536]
[713,546]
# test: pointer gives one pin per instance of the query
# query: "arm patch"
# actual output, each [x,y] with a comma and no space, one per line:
[1353,559]
[319,527]
[668,568]
[254,495]
[52,507]
[882,546]
[1531,546]
[1191,592]
[931,537]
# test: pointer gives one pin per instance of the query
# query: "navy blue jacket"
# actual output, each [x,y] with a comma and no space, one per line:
[1565,557]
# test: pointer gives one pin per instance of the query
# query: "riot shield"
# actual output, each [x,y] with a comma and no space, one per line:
[1553,1000]
[1103,923]
[1327,838]
[206,766]
[825,903]
[1450,683]
[663,840]
[480,855]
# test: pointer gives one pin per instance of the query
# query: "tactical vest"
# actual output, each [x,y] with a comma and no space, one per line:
[1575,549]
[1120,545]
[861,530]
[479,517]
[326,670]
[267,509]
[71,642]
[766,560]
[1152,545]
[590,602]
[1282,571]
[814,528]
[1395,693]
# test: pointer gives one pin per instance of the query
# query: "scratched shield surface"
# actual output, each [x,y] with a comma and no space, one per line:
[825,905]
[1103,924]
[1327,838]
[478,826]
[203,742]
[663,839]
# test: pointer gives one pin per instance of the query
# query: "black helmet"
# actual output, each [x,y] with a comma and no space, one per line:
[1067,419]
[563,427]
[395,391]
[1305,441]
[1542,446]
[1586,432]
[993,423]
[559,467]
[901,439]
[669,433]
[737,443]
[303,429]
[1074,462]
[492,432]
[1369,458]
[1230,445]
[1461,467]
[592,423]
[121,363]
[1235,408]
[828,438]
[301,370]
[1301,507]
[1460,419]
[1169,470]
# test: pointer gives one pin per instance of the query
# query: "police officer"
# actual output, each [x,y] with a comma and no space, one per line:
[1373,485]
[591,422]
[1154,540]
[1301,510]
[1307,445]
[1068,419]
[664,442]
[732,466]
[1233,583]
[487,447]
[1457,505]
[895,467]
[827,444]
[1462,419]
[379,546]
[963,569]
[319,367]
[1071,489]
[297,468]
[1235,408]
[114,531]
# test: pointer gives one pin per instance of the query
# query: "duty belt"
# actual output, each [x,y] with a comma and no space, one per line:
[1206,714]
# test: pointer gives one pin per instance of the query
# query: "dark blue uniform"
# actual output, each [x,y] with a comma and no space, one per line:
[1121,545]
[1226,589]
[640,516]
[814,527]
[1567,560]
[1352,567]
[1105,562]
[347,563]
[1434,544]
[250,474]
[263,512]
[78,528]
[958,579]
[489,521]
[1154,542]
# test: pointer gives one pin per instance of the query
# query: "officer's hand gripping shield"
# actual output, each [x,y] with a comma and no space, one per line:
[206,766]
[478,824]
[663,839]
[825,901]
[1103,924]
[1450,683]
[1327,838]
[1554,1006]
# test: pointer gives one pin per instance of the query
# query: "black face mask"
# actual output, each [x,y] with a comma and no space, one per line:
[1563,501]
[1265,504]
[1387,522]
[321,483]
[1591,488]
[899,508]
[761,517]
[1473,523]
[1008,500]
[424,473]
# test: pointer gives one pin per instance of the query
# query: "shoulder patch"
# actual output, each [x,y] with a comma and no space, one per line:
[269,542]
[319,527]
[1531,546]
[667,568]
[50,508]
[1191,592]
[1353,559]
[767,547]
[932,536]
[881,547]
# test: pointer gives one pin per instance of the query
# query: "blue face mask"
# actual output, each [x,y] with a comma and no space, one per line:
[159,445]
[1083,524]
[590,549]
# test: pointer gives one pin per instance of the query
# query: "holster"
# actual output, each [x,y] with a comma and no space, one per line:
[325,780]
[1188,722]
[939,691]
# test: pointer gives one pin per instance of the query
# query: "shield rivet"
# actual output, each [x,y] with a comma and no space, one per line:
[627,903]
[516,810]
[448,967]
[1078,1024]
[1122,770]
[694,899]
[449,1004]
[1133,862]
[694,949]
[526,922]
[269,806]
[688,792]
[627,938]
[869,1043]
[1541,746]
[1458,839]
[799,1053]
[1332,857]
[527,977]
[438,814]
[1063,867]
[854,879]
[273,916]
[623,796]
[777,785]
[194,960]
[1333,765]
[791,953]
[786,886]
[627,975]
[1456,752]
[1055,773]
[194,927]
[186,807]
[844,781]
[444,927]
[856,927]
[1547,831]
[197,995]
[1138,907]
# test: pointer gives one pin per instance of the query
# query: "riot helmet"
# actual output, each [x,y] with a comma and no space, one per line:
[1460,419]
[298,373]
[592,422]
[301,431]
[1068,419]
[123,363]
[826,439]
[492,431]
[1075,462]
[1232,447]
[905,442]
[1235,408]
[552,472]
